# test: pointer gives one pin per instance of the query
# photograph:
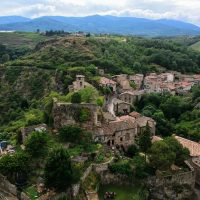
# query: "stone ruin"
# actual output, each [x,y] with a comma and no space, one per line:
[66,114]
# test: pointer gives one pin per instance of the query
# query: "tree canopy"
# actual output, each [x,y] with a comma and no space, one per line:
[59,172]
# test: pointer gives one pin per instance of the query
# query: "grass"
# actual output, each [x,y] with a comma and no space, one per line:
[123,192]
[196,46]
[21,39]
[32,192]
[79,149]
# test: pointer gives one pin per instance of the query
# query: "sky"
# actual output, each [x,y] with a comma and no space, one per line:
[185,10]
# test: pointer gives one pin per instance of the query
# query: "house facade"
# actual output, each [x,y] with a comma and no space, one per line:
[119,133]
[79,84]
[131,97]
[105,82]
[120,107]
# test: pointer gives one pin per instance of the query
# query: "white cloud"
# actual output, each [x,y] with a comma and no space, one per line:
[186,10]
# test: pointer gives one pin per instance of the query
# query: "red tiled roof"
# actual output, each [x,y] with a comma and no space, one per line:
[156,139]
[135,114]
[105,81]
[193,147]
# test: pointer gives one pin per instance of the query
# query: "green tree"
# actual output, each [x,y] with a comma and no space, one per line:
[58,171]
[132,151]
[182,153]
[145,140]
[195,92]
[84,115]
[76,98]
[5,58]
[13,165]
[174,107]
[161,156]
[140,166]
[36,144]
[75,135]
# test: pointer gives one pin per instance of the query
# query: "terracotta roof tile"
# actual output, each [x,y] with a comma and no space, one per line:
[193,147]
[105,81]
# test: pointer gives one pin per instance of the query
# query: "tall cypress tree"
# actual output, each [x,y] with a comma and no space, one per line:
[145,139]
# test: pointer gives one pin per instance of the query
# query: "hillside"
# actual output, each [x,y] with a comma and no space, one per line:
[114,54]
[196,46]
[52,65]
[20,39]
[104,24]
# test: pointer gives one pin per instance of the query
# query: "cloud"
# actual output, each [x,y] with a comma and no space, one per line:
[186,10]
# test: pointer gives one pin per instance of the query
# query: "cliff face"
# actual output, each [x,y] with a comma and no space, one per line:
[20,86]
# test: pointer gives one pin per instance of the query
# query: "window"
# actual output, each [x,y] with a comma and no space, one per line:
[121,139]
[81,84]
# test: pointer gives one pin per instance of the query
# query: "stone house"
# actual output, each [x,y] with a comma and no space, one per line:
[131,97]
[123,83]
[121,107]
[142,123]
[194,149]
[138,80]
[27,130]
[105,82]
[119,133]
[184,87]
[135,114]
[79,84]
[167,77]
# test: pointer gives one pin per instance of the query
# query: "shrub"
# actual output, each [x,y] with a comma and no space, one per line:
[76,98]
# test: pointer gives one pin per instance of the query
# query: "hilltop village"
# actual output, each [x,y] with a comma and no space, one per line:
[119,130]
[99,117]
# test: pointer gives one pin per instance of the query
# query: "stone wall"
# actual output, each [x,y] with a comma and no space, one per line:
[174,187]
[65,114]
[76,187]
[195,162]
[6,186]
[116,179]
[9,188]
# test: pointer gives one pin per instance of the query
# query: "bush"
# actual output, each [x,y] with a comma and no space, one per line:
[36,144]
[59,173]
[132,151]
[76,98]
[75,135]
[84,115]
[122,167]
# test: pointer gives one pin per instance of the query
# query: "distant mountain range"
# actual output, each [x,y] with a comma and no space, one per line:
[100,24]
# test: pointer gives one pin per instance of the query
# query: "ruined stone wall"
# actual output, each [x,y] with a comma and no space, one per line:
[6,186]
[66,113]
[195,162]
[9,188]
[174,187]
[179,186]
[117,179]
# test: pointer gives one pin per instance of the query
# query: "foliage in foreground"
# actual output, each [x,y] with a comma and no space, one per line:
[59,172]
